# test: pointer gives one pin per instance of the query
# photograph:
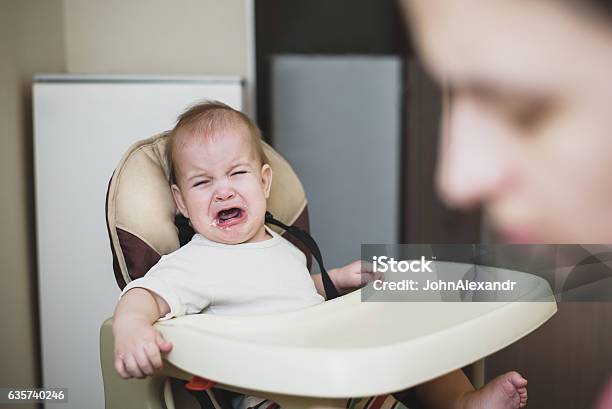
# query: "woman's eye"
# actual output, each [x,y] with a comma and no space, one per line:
[528,118]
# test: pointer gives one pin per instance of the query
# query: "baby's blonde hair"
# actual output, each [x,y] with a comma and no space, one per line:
[206,118]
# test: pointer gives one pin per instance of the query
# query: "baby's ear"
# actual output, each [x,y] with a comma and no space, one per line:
[178,200]
[266,178]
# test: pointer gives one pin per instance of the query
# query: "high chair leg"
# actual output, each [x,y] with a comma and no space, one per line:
[204,399]
[199,388]
[300,402]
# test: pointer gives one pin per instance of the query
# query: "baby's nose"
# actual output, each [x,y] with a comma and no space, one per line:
[224,193]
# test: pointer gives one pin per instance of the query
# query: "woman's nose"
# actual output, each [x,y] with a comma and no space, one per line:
[475,162]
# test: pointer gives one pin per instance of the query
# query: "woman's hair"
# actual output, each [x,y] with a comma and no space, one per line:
[605,5]
[599,8]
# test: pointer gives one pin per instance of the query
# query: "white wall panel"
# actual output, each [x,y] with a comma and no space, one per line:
[337,121]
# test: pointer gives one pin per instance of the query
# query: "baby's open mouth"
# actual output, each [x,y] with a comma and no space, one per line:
[229,217]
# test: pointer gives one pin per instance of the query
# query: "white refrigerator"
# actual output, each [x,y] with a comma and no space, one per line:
[82,127]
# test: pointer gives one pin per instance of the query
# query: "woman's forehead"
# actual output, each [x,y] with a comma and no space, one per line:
[538,44]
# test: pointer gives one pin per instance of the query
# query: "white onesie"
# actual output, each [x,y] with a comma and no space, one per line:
[238,279]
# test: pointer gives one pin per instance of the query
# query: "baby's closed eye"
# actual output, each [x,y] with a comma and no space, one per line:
[201,182]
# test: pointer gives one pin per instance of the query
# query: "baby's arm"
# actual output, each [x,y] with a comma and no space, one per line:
[349,277]
[137,343]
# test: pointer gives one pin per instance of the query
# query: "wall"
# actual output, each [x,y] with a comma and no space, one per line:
[30,41]
[372,27]
[203,37]
[156,37]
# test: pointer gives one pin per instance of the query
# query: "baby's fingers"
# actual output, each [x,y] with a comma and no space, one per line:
[379,276]
[132,367]
[142,359]
[154,356]
[370,276]
[120,368]
[163,345]
[366,266]
[367,278]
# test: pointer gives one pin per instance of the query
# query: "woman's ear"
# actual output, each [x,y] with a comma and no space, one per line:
[266,178]
[178,200]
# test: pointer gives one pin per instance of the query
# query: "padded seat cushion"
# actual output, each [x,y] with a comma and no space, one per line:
[140,209]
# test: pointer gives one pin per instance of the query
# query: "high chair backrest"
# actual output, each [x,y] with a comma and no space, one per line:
[140,210]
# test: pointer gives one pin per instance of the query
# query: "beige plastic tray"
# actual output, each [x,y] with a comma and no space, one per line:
[349,348]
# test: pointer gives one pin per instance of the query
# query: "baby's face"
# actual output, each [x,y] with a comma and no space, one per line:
[222,187]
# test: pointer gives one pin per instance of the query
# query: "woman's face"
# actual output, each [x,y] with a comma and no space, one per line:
[528,129]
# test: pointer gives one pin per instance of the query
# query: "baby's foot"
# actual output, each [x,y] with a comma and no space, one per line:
[507,391]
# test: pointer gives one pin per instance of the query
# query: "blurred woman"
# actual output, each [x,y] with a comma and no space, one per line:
[528,124]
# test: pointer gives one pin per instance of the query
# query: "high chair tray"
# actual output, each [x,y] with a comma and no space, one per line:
[349,348]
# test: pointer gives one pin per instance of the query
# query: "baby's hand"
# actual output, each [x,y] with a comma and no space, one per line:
[354,275]
[137,349]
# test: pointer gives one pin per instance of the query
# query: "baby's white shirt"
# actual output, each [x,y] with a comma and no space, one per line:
[238,279]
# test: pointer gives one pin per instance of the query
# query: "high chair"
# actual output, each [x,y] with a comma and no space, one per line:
[312,358]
